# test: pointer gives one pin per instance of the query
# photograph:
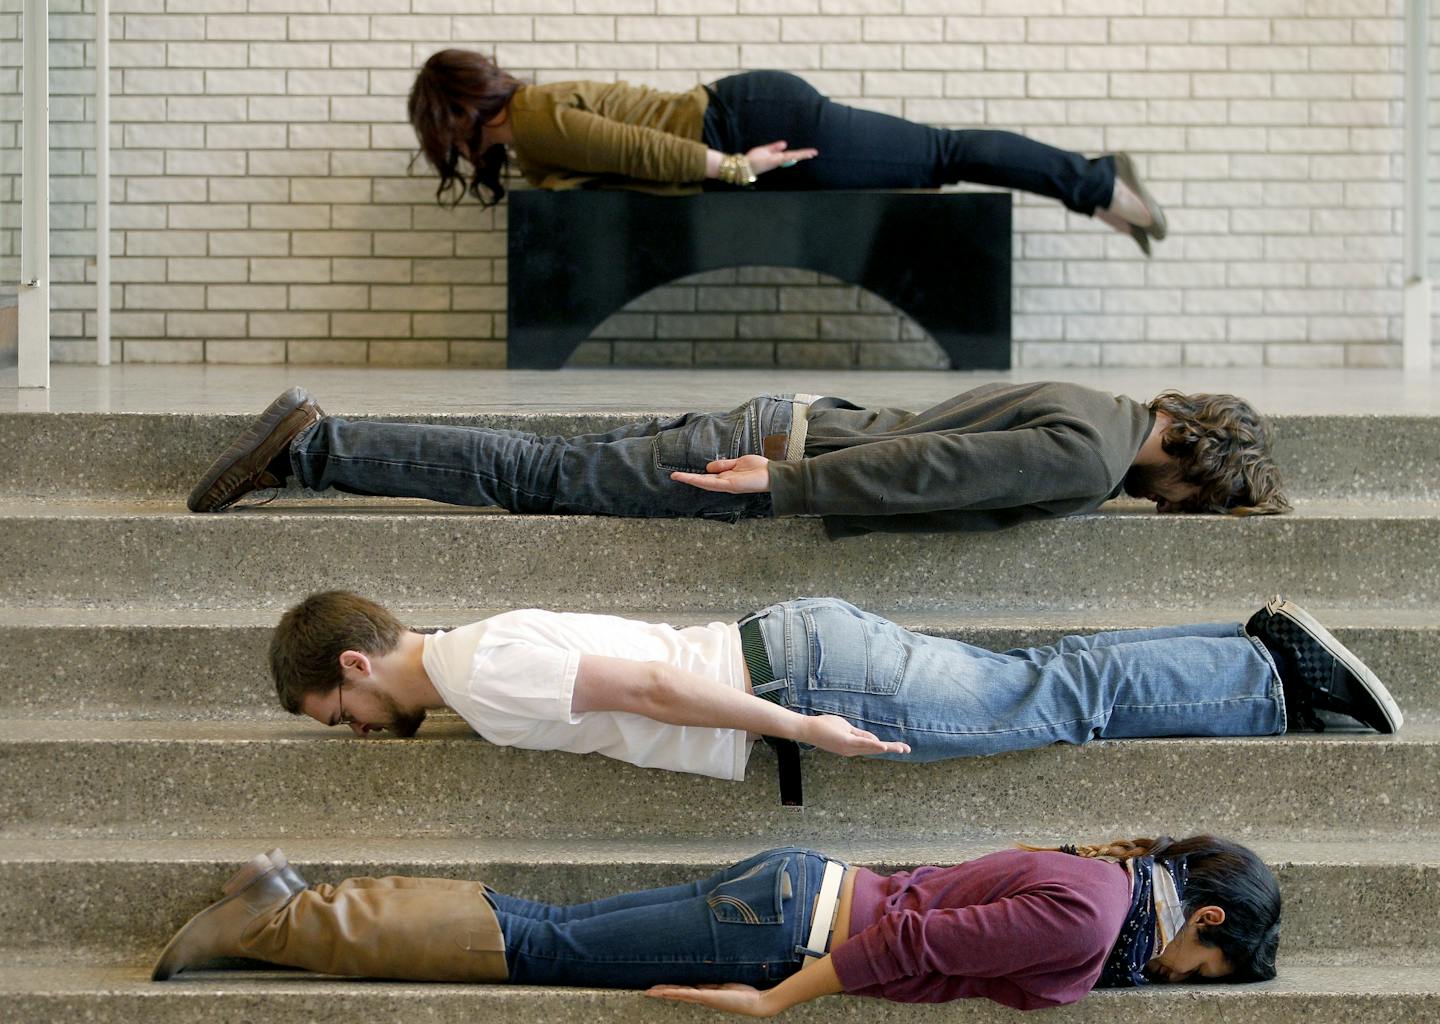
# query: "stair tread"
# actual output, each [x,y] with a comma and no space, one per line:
[181,390]
[1058,621]
[1298,974]
[448,728]
[1334,849]
[12,507]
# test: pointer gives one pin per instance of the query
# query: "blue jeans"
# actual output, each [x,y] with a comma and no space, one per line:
[625,472]
[950,699]
[866,149]
[748,923]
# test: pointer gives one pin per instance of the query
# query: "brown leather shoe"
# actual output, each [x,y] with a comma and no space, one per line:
[260,887]
[244,466]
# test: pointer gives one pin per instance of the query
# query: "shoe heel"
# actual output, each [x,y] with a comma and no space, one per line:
[257,866]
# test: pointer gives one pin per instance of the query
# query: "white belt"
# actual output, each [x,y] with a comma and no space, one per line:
[827,905]
[799,426]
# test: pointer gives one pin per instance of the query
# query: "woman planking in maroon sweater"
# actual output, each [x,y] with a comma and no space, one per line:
[1030,928]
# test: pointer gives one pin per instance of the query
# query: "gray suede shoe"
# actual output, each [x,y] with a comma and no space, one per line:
[1157,228]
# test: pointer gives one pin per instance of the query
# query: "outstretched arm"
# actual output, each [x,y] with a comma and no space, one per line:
[922,473]
[589,142]
[672,695]
[934,472]
[815,979]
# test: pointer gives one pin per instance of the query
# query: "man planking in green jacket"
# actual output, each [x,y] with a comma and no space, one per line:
[989,458]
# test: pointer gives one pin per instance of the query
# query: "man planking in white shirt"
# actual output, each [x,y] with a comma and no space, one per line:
[811,671]
[653,695]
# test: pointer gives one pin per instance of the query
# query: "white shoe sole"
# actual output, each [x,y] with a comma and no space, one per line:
[1341,653]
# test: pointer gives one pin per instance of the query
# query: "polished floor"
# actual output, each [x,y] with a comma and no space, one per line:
[356,391]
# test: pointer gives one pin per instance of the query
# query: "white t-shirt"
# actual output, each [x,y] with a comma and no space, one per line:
[512,678]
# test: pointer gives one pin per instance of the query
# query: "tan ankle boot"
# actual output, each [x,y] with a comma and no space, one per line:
[256,890]
[404,928]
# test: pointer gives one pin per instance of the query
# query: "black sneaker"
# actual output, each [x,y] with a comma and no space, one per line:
[1318,673]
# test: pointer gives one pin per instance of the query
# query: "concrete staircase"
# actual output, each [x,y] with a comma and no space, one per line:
[142,753]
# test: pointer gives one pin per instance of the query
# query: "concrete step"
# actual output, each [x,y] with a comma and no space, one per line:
[159,663]
[1315,991]
[158,455]
[121,900]
[109,554]
[83,779]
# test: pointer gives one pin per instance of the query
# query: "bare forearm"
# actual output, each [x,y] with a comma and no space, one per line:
[685,698]
[712,163]
[815,979]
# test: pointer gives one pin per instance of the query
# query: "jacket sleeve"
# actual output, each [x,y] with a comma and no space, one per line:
[1029,932]
[944,471]
[579,140]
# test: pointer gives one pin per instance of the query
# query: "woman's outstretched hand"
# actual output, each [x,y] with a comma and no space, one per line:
[767,158]
[732,998]
[749,474]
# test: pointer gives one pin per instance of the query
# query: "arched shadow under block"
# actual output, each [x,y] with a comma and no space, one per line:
[942,258]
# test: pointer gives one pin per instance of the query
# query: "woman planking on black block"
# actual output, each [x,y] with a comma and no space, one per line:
[762,129]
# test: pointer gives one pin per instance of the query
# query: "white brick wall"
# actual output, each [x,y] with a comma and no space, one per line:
[264,210]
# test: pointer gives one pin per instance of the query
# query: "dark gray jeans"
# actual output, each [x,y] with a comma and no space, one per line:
[625,472]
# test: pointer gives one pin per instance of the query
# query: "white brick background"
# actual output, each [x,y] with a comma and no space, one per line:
[264,209]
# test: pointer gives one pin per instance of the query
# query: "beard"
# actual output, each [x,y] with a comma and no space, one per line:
[402,724]
[1142,481]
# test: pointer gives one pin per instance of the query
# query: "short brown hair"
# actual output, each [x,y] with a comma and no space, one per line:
[1221,445]
[306,646]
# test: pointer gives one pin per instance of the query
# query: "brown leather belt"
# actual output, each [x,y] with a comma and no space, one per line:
[790,447]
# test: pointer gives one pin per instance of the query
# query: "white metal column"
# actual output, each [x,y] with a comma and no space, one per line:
[102,182]
[34,354]
[1417,212]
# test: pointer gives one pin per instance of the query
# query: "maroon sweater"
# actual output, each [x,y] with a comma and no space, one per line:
[1025,929]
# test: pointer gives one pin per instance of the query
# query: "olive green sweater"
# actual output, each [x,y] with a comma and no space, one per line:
[983,460]
[578,134]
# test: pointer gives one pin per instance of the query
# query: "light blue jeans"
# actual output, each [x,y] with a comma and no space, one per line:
[951,699]
[747,923]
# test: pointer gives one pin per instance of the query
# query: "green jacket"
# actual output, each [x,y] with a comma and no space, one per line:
[578,134]
[989,458]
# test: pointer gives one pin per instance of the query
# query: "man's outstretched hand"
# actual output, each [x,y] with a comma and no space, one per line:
[749,474]
[837,735]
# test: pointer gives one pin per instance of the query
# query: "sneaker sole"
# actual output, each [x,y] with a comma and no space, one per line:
[1357,668]
[246,444]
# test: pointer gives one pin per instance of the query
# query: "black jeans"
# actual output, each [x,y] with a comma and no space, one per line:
[862,149]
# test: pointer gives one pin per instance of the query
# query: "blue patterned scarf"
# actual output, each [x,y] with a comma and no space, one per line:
[1154,919]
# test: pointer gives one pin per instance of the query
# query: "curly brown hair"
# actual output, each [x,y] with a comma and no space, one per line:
[1222,446]
[306,646]
[455,93]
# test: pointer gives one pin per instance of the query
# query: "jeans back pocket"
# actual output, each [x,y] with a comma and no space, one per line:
[701,439]
[756,897]
[853,653]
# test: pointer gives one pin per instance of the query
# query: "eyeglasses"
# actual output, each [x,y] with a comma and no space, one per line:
[344,718]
